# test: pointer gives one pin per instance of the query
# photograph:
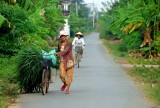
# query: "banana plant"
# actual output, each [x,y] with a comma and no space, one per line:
[2,19]
[139,14]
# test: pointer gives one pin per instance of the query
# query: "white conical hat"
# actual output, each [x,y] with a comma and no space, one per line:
[79,33]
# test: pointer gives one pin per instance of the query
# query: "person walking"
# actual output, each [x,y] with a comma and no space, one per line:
[66,61]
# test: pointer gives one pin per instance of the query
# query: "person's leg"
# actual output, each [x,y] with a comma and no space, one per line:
[82,53]
[63,76]
[69,78]
[75,58]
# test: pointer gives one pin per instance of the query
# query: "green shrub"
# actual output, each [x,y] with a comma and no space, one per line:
[2,102]
[8,86]
[17,24]
[122,47]
[36,40]
[133,40]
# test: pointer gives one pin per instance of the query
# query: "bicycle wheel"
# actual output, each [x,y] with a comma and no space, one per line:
[78,59]
[47,86]
[44,82]
[78,64]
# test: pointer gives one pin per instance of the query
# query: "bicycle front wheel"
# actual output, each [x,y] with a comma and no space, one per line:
[44,82]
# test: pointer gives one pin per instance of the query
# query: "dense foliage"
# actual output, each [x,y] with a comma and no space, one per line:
[79,17]
[28,22]
[136,23]
[12,31]
[24,23]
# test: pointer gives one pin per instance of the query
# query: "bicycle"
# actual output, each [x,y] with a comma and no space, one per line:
[49,60]
[78,54]
[45,75]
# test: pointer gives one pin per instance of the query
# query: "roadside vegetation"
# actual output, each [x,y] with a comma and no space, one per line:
[130,30]
[8,86]
[79,19]
[135,23]
[23,23]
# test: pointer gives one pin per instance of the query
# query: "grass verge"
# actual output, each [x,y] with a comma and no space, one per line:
[149,81]
[8,86]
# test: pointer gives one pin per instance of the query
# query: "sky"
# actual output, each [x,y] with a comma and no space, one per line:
[97,3]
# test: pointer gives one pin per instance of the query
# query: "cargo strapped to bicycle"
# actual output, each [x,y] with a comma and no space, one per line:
[78,49]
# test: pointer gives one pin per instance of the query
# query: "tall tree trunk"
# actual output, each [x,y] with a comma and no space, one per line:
[147,40]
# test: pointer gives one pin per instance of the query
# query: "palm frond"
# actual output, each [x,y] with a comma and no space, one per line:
[2,19]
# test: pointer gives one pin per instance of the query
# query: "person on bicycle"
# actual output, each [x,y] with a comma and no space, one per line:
[66,61]
[78,40]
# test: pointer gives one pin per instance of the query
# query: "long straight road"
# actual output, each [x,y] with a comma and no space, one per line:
[98,83]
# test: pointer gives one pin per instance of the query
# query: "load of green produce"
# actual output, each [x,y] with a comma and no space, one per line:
[30,68]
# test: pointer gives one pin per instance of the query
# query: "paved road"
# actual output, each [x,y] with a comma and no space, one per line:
[98,83]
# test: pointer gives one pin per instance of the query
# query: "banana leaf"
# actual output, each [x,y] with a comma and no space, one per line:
[2,19]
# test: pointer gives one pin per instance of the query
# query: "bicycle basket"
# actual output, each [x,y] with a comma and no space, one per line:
[78,49]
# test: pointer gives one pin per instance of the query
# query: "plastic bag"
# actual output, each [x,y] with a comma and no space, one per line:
[53,57]
[45,55]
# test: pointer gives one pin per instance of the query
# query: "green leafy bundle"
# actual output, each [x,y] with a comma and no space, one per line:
[29,69]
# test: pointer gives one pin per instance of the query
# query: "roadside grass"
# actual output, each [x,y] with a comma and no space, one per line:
[8,86]
[148,79]
[117,52]
[114,48]
[154,61]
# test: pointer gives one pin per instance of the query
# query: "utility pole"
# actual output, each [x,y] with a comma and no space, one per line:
[93,14]
[93,20]
[76,8]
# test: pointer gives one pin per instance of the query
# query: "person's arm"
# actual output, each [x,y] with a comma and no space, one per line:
[73,43]
[83,42]
[66,50]
[58,47]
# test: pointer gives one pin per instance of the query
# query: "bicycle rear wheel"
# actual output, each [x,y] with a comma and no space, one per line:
[45,84]
[47,87]
[78,64]
[78,59]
